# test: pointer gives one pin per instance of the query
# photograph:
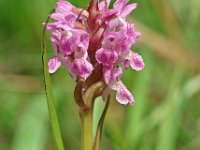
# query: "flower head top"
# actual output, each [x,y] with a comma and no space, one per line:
[95,44]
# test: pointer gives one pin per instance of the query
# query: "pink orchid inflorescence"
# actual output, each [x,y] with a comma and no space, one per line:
[94,44]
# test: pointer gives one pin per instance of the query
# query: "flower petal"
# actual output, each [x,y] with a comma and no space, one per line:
[123,95]
[106,56]
[70,20]
[51,26]
[80,53]
[127,10]
[119,5]
[102,5]
[82,68]
[53,64]
[111,77]
[66,47]
[67,42]
[117,22]
[58,16]
[107,74]
[63,7]
[82,38]
[132,35]
[136,61]
[117,74]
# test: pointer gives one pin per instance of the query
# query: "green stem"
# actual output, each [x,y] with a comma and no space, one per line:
[86,121]
[87,114]
[49,94]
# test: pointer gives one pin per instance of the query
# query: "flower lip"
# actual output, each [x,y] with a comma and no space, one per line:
[81,67]
[123,95]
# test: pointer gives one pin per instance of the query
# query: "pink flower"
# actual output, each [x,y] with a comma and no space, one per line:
[106,57]
[53,64]
[131,34]
[123,95]
[98,37]
[135,61]
[64,7]
[81,67]
[112,78]
[82,38]
[124,10]
[66,43]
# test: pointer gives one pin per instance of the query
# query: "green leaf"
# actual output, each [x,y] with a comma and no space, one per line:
[97,140]
[49,94]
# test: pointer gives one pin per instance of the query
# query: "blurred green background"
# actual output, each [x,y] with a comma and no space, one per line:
[166,115]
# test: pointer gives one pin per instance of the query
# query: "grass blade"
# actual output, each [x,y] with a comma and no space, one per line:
[49,94]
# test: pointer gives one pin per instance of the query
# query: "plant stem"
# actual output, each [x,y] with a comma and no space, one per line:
[86,121]
[86,115]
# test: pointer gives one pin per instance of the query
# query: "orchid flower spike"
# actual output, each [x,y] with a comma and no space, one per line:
[94,44]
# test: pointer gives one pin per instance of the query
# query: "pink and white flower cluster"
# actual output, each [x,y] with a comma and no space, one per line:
[83,40]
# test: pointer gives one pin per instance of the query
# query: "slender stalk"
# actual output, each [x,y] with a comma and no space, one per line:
[86,115]
[86,121]
[49,94]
